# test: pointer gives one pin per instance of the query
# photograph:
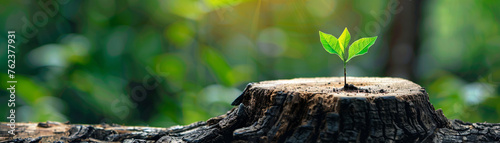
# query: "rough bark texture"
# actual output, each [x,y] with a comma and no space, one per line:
[297,110]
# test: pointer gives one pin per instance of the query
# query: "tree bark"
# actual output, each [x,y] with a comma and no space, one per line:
[297,110]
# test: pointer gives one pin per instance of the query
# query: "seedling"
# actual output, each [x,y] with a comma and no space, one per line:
[339,46]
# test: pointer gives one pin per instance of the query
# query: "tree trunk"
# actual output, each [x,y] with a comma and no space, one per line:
[297,110]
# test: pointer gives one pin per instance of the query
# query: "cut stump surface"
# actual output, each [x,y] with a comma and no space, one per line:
[313,110]
[318,109]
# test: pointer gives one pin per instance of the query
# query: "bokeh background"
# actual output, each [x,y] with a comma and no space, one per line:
[169,62]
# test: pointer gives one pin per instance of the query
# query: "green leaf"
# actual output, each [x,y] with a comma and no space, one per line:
[360,47]
[331,44]
[344,39]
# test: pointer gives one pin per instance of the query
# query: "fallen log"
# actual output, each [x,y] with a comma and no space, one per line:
[296,110]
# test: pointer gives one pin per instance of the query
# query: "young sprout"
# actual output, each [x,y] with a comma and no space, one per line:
[339,46]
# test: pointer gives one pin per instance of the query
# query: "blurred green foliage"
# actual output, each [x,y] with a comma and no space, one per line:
[163,63]
[459,60]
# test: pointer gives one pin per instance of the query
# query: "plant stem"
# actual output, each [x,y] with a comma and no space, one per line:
[345,81]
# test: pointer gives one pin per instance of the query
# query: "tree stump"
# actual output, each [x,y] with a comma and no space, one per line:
[309,110]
